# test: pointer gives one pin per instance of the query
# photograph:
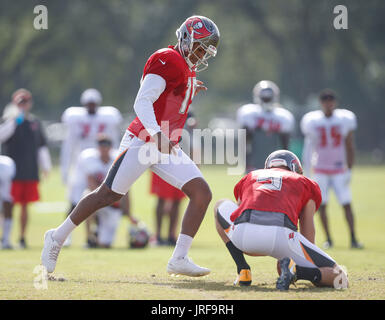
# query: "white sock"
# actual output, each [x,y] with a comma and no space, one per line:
[7,226]
[62,232]
[182,247]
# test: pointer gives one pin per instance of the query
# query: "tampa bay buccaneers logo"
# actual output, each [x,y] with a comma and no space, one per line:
[200,30]
[296,167]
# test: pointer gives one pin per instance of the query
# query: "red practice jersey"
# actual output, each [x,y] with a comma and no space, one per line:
[172,105]
[276,190]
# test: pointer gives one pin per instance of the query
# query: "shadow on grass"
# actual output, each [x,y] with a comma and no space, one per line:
[225,286]
[203,285]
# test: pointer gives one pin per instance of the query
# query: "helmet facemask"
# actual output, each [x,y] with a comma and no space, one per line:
[266,94]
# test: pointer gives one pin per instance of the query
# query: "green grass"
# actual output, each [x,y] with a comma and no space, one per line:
[121,273]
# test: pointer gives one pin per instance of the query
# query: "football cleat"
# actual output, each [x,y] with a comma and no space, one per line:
[356,245]
[22,244]
[288,275]
[244,278]
[185,266]
[50,251]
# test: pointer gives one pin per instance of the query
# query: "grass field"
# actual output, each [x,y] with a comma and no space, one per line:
[121,273]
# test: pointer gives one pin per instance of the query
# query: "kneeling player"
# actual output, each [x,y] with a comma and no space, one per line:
[264,223]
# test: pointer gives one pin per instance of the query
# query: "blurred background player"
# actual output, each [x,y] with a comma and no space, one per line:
[268,125]
[83,124]
[271,201]
[7,172]
[91,169]
[329,153]
[24,141]
[169,197]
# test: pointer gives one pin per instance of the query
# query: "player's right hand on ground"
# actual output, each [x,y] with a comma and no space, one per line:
[163,144]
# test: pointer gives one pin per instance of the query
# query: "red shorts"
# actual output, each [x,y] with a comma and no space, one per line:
[25,191]
[164,190]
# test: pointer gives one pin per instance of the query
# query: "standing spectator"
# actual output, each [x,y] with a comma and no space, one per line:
[24,141]
[329,153]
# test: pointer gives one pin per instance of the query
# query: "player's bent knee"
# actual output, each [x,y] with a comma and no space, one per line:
[198,190]
[107,196]
[216,206]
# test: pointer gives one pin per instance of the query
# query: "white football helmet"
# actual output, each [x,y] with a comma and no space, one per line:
[266,94]
[91,95]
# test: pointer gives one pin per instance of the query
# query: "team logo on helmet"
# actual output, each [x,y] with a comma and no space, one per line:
[200,29]
[284,158]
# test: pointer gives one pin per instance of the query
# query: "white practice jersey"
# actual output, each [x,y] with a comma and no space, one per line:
[7,172]
[324,149]
[266,129]
[253,116]
[89,163]
[82,130]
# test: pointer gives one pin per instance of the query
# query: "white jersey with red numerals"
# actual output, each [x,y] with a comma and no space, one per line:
[253,117]
[325,139]
[173,103]
[89,163]
[83,129]
[266,128]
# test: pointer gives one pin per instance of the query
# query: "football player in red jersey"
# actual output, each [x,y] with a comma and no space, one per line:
[168,85]
[271,201]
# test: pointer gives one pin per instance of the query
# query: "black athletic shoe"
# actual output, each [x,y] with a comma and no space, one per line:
[356,245]
[91,244]
[287,276]
[171,242]
[22,244]
[161,242]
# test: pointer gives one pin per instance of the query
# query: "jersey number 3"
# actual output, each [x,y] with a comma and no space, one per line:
[272,181]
